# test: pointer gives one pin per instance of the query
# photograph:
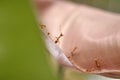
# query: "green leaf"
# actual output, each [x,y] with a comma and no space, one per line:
[22,55]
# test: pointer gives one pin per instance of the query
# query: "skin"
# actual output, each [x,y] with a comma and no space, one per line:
[88,37]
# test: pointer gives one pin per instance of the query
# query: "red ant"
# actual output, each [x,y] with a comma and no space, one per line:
[43,27]
[58,38]
[97,63]
[73,51]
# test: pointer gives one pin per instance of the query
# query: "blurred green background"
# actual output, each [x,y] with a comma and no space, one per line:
[109,5]
[21,49]
[22,52]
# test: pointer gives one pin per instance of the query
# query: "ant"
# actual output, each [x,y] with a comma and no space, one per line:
[73,51]
[43,27]
[97,63]
[90,70]
[58,38]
